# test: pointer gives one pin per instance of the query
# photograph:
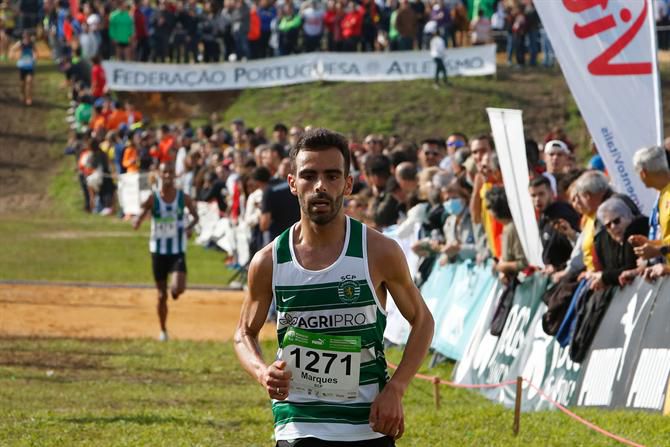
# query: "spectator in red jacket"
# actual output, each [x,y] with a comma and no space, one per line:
[332,21]
[352,27]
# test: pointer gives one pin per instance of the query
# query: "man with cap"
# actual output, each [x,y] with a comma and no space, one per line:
[556,155]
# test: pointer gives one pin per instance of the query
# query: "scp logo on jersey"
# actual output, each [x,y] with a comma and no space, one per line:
[348,291]
[626,25]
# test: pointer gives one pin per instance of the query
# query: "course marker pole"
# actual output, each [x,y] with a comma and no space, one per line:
[517,405]
[436,391]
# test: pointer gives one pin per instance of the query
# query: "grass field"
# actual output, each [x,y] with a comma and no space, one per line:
[61,392]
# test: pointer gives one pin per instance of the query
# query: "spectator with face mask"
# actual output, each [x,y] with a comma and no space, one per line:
[459,237]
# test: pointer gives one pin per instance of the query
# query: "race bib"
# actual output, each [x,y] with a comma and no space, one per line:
[323,366]
[165,228]
[25,62]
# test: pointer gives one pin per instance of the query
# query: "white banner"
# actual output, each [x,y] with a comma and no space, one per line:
[607,50]
[507,129]
[351,67]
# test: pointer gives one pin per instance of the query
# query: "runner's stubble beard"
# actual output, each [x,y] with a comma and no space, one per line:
[306,205]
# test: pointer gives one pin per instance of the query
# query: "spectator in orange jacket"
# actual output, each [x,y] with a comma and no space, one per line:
[117,117]
[130,158]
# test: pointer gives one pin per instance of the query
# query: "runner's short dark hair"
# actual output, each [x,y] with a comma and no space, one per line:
[319,139]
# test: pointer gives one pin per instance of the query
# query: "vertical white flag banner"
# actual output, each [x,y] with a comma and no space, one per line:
[607,50]
[507,129]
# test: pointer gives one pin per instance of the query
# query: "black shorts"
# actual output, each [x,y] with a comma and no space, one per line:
[25,72]
[122,45]
[162,265]
[314,442]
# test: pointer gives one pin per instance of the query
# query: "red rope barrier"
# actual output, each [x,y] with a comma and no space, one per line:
[581,420]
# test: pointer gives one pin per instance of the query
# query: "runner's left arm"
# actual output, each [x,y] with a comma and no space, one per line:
[146,209]
[386,413]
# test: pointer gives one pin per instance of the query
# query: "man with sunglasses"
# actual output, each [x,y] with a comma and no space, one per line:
[455,141]
[432,152]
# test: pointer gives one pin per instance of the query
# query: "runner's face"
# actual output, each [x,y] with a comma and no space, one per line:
[167,175]
[320,184]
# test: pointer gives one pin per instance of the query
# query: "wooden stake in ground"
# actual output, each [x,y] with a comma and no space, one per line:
[517,406]
[436,391]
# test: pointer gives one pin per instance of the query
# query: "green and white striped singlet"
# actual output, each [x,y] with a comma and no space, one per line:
[168,236]
[338,300]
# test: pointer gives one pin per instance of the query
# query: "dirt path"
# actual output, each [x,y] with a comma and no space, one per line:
[26,162]
[84,312]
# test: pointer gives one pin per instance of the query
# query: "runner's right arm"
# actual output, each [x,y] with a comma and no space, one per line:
[254,310]
[146,209]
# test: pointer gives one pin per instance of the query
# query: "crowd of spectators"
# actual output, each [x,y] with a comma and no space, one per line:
[187,31]
[447,193]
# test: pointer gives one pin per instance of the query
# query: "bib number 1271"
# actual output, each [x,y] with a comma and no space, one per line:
[314,363]
[322,366]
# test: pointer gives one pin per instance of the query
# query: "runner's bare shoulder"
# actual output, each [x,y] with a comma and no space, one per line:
[260,271]
[384,254]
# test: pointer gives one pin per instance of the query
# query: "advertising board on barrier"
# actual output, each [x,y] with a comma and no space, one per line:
[288,70]
[651,367]
[607,51]
[523,349]
[459,306]
[548,366]
[615,351]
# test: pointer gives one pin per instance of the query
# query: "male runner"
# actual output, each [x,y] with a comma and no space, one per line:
[168,238]
[330,276]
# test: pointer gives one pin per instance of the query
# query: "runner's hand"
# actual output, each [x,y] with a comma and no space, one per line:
[277,378]
[386,415]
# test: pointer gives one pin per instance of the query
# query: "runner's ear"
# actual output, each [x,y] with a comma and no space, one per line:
[349,185]
[291,184]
